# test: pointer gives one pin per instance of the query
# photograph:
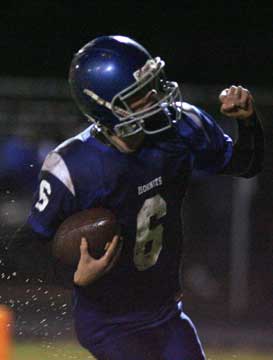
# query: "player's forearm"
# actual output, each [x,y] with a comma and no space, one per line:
[30,254]
[248,151]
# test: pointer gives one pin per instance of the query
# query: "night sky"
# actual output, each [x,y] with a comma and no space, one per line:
[226,42]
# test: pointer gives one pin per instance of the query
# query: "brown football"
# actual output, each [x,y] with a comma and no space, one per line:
[97,225]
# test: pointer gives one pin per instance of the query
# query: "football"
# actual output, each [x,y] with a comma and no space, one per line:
[97,225]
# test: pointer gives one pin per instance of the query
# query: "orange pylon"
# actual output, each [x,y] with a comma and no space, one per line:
[6,320]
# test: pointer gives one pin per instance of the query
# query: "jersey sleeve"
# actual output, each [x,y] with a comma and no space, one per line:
[211,148]
[55,198]
[248,151]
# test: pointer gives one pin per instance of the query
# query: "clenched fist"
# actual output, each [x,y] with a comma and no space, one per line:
[237,102]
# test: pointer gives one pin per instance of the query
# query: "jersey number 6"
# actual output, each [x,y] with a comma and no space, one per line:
[149,233]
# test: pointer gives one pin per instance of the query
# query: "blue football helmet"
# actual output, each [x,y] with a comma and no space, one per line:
[111,73]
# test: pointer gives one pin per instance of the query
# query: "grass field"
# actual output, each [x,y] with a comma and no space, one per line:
[72,351]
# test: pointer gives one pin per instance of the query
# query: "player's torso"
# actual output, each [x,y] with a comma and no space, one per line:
[146,193]
[145,190]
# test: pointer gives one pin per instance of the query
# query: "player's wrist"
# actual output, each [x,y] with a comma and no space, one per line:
[81,282]
[86,276]
[248,122]
[77,280]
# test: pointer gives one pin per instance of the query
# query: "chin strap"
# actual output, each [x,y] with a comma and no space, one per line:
[104,135]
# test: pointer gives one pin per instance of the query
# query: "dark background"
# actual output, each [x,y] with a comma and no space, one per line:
[225,41]
[207,46]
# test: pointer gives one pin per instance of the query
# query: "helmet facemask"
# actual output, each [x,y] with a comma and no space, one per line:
[154,118]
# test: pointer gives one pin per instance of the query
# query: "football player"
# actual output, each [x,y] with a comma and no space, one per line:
[136,159]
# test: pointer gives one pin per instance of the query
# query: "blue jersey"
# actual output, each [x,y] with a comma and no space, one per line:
[145,190]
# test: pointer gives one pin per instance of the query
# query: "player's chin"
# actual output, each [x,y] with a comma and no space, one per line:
[133,142]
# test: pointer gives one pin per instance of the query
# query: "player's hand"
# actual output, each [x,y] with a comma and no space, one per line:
[237,102]
[90,269]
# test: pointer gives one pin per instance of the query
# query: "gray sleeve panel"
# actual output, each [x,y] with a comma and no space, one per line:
[193,114]
[196,117]
[56,166]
